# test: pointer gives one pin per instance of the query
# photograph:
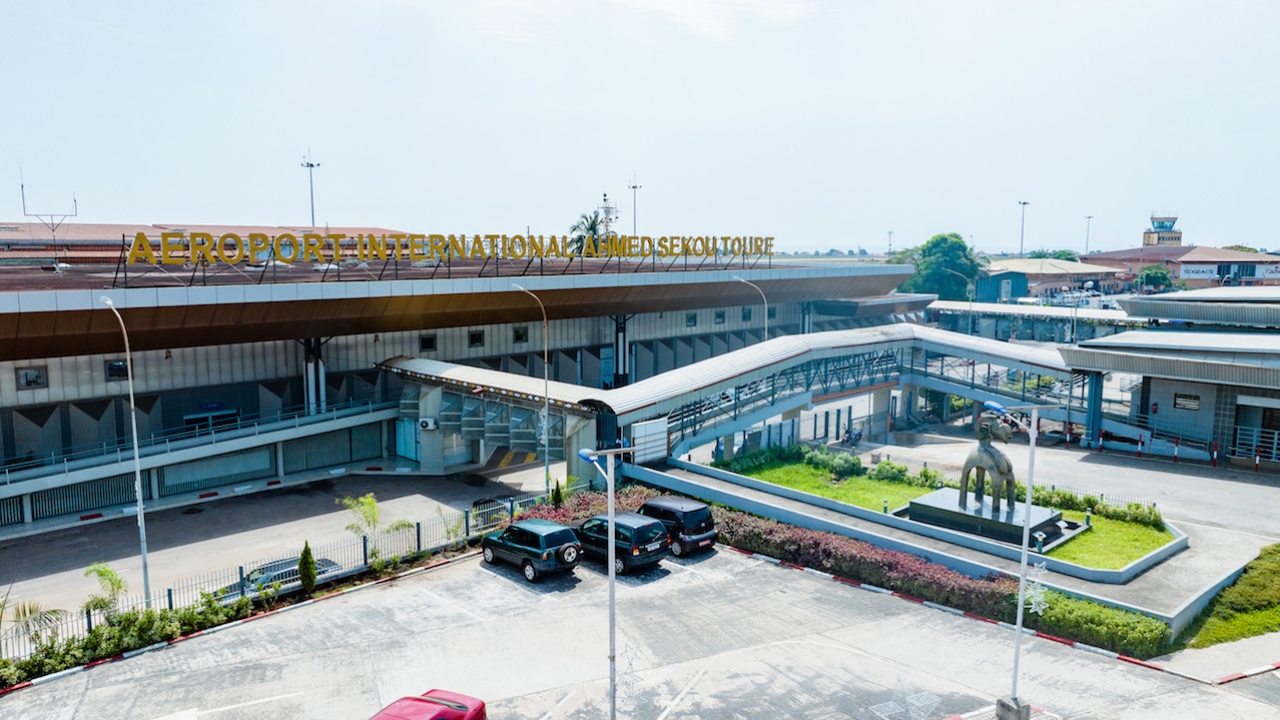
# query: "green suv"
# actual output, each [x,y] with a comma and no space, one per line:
[537,546]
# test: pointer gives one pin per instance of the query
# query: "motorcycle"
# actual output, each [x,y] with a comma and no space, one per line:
[853,437]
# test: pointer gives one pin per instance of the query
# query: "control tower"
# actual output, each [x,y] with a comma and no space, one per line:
[1161,231]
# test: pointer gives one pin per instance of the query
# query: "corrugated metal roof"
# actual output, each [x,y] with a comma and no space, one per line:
[1050,266]
[468,378]
[1111,316]
[663,393]
[1245,294]
[1191,342]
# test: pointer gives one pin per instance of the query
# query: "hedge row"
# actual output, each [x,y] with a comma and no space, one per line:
[1125,632]
[886,471]
[994,597]
[118,634]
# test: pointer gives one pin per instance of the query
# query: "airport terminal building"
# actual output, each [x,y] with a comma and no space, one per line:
[260,354]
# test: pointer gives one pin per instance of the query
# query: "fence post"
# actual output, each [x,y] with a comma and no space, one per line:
[169,592]
[466,519]
[418,528]
[88,619]
[364,544]
[242,588]
[511,509]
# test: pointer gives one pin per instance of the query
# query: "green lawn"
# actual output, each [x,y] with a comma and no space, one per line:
[1110,545]
[859,491]
[1249,607]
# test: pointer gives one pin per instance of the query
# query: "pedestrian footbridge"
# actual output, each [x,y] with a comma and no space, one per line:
[720,396]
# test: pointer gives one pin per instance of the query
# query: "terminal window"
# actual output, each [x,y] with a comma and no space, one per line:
[691,320]
[1186,402]
[773,312]
[475,338]
[719,317]
[746,314]
[426,343]
[519,334]
[117,370]
[32,377]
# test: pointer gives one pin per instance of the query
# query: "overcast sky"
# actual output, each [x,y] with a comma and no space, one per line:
[822,124]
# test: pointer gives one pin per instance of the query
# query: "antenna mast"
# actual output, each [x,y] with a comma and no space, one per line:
[53,222]
[608,214]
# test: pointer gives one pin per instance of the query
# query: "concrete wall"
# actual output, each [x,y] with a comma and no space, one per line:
[1198,423]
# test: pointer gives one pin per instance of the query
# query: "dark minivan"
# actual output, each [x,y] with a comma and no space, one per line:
[640,540]
[688,522]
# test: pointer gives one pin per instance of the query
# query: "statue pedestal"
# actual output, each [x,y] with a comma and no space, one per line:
[942,508]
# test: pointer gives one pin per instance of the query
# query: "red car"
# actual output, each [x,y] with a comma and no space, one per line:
[434,705]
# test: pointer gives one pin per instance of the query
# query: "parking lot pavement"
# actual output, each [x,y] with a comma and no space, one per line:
[184,542]
[713,636]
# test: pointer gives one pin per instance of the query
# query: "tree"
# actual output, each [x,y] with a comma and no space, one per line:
[307,569]
[1156,276]
[588,226]
[27,618]
[369,521]
[1240,248]
[1067,255]
[113,586]
[557,495]
[943,264]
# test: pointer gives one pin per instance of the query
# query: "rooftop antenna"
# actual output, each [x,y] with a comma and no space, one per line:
[608,213]
[311,184]
[53,222]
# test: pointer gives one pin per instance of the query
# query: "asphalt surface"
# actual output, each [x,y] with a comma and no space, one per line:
[719,635]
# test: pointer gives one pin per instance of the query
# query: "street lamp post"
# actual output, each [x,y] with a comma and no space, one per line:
[137,463]
[311,183]
[546,394]
[1022,233]
[762,297]
[1075,311]
[971,293]
[1088,220]
[1032,432]
[593,457]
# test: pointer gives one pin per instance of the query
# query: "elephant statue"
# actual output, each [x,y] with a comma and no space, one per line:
[986,460]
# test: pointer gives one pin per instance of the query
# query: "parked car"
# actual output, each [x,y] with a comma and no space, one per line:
[639,540]
[434,705]
[280,571]
[688,522]
[537,546]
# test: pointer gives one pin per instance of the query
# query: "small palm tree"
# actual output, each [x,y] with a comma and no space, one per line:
[28,618]
[113,586]
[369,520]
[588,226]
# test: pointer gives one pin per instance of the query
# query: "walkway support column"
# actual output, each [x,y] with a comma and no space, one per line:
[879,413]
[806,318]
[621,353]
[1093,413]
[430,442]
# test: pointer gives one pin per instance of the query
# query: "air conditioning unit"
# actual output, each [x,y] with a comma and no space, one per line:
[427,423]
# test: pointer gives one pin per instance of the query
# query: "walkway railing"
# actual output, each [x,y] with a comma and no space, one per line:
[121,449]
[1261,443]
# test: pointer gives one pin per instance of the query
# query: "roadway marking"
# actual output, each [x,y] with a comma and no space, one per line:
[554,707]
[506,459]
[530,457]
[680,698]
[191,713]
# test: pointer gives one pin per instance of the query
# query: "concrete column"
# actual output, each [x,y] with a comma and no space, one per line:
[806,318]
[791,414]
[153,476]
[1093,414]
[384,426]
[580,433]
[728,441]
[280,459]
[430,442]
[27,515]
[879,412]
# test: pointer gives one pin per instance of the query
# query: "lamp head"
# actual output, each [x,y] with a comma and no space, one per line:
[107,301]
[995,407]
[587,455]
[519,287]
[739,278]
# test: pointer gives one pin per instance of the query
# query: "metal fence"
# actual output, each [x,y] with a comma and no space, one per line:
[1111,499]
[335,560]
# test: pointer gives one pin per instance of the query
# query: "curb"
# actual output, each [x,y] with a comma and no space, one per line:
[973,616]
[234,623]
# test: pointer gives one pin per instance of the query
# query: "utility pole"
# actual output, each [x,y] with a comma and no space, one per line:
[310,166]
[634,187]
[1088,220]
[1023,232]
[890,242]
